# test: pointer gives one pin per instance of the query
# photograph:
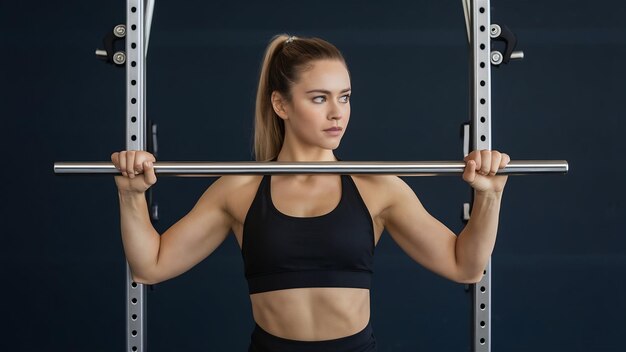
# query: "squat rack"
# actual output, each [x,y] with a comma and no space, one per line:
[477,134]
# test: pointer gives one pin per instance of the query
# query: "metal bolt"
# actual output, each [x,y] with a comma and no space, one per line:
[496,57]
[119,58]
[119,31]
[495,31]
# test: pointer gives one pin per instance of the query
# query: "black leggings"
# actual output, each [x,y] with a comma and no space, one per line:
[263,341]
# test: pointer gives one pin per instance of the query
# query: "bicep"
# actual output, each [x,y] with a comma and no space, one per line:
[424,238]
[196,235]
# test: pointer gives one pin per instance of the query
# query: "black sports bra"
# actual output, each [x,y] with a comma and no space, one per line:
[332,250]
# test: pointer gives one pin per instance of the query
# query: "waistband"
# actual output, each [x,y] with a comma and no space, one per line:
[362,341]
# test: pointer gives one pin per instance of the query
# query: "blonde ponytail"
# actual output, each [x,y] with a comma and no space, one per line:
[269,129]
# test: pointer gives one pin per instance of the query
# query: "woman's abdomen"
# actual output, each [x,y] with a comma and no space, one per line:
[312,314]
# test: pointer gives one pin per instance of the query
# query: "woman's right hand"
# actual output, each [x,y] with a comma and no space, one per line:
[137,170]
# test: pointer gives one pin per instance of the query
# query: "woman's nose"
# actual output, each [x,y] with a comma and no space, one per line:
[335,113]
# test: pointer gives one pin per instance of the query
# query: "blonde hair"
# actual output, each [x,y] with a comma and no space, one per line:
[285,57]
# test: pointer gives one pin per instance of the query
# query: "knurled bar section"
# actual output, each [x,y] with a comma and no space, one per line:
[481,126]
[136,320]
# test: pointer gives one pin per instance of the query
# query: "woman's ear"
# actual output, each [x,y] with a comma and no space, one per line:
[278,103]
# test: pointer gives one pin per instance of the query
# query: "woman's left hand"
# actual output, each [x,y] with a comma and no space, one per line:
[481,168]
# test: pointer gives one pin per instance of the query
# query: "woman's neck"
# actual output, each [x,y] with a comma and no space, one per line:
[287,154]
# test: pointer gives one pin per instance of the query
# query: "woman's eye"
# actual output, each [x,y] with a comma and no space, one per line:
[345,98]
[319,99]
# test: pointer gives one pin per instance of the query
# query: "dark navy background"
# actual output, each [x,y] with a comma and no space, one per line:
[559,267]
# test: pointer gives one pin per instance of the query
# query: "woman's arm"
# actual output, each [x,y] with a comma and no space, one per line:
[432,244]
[141,241]
[476,241]
[153,258]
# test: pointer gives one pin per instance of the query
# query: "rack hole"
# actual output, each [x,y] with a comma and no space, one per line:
[134,333]
[482,119]
[133,82]
[134,26]
[133,45]
[482,101]
[483,138]
[482,83]
[134,300]
[133,64]
[482,46]
[482,324]
[482,10]
[482,341]
[482,28]
[134,348]
[482,306]
[133,101]
[133,119]
[134,316]
[133,138]
[134,284]
[133,9]
[482,288]
[482,65]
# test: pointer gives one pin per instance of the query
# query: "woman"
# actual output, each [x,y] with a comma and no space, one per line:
[307,240]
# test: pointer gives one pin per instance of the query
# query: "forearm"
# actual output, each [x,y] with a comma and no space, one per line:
[141,241]
[475,243]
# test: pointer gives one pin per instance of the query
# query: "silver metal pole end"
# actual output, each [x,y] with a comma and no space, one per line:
[517,55]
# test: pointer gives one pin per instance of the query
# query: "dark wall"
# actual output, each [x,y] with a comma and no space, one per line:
[559,266]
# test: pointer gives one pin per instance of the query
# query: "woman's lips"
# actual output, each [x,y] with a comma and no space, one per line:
[335,131]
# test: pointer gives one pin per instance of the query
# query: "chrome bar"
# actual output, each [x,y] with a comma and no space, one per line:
[405,168]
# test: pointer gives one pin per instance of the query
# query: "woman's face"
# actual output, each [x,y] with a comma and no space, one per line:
[320,101]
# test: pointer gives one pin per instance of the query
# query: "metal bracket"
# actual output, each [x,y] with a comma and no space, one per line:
[153,148]
[502,34]
[113,40]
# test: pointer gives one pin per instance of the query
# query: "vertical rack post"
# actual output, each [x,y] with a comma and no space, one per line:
[481,139]
[136,307]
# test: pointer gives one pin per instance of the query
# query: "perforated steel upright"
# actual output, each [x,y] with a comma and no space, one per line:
[480,83]
[135,140]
